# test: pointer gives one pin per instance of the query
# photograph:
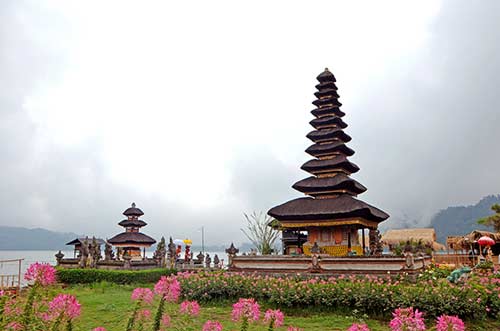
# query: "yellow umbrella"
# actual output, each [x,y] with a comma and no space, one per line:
[188,241]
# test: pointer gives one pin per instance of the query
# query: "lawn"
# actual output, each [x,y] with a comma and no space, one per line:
[109,305]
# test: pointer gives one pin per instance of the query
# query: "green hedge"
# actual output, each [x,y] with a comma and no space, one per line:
[85,276]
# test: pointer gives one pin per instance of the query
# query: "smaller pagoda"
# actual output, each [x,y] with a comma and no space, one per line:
[132,242]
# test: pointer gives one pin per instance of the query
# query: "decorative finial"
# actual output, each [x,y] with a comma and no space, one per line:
[133,204]
[326,69]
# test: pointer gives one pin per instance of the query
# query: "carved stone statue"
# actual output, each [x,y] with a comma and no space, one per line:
[84,253]
[95,253]
[160,253]
[216,261]
[108,252]
[208,261]
[376,246]
[409,260]
[171,253]
[199,258]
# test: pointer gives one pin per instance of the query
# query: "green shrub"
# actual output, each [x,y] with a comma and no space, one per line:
[85,276]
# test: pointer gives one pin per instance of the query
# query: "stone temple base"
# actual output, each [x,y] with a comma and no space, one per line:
[346,265]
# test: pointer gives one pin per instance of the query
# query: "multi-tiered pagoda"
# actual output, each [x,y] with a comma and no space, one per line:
[131,242]
[330,214]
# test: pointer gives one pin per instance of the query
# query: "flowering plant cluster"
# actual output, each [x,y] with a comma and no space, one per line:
[476,298]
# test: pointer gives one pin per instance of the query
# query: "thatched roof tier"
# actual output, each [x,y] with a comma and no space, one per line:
[327,111]
[475,235]
[133,211]
[79,241]
[328,121]
[132,238]
[326,92]
[326,85]
[425,235]
[327,101]
[330,148]
[339,183]
[326,76]
[343,206]
[335,164]
[133,222]
[328,135]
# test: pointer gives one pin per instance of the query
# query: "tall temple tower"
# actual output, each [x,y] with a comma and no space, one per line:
[132,241]
[330,214]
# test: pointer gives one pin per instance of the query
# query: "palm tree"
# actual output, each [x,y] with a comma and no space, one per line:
[260,233]
[493,220]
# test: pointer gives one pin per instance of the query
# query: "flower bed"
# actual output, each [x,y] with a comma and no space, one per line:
[477,298]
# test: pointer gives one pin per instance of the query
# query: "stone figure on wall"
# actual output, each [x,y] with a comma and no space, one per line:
[84,253]
[376,246]
[216,261]
[108,252]
[208,261]
[160,253]
[171,253]
[231,252]
[95,253]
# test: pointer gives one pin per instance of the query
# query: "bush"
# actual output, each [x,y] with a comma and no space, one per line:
[85,276]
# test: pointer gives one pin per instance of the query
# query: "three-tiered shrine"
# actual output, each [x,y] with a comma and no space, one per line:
[330,214]
[132,241]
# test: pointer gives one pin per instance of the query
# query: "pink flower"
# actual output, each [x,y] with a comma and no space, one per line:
[41,273]
[143,294]
[2,293]
[449,323]
[169,288]
[294,328]
[358,327]
[143,314]
[245,308]
[99,328]
[14,326]
[405,319]
[63,305]
[165,321]
[190,308]
[275,317]
[212,326]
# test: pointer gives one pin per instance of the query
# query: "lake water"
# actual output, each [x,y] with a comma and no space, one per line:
[11,268]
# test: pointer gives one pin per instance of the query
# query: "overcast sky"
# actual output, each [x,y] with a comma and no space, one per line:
[198,110]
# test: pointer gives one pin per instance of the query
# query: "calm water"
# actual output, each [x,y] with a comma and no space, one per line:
[11,268]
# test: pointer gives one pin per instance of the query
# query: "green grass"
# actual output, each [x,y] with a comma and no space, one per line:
[109,305]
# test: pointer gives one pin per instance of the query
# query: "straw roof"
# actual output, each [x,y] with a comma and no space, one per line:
[426,235]
[475,235]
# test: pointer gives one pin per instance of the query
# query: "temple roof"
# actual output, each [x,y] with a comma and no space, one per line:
[325,111]
[327,121]
[133,222]
[79,241]
[319,186]
[326,76]
[330,101]
[329,148]
[343,206]
[325,92]
[316,166]
[132,238]
[328,134]
[133,211]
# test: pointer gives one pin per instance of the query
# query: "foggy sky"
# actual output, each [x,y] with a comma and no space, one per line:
[198,113]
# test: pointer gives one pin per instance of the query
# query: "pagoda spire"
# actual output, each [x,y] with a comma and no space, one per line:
[331,191]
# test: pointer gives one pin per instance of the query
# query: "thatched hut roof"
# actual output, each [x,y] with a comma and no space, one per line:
[475,235]
[426,235]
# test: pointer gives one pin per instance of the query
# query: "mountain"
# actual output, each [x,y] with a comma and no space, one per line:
[461,220]
[17,238]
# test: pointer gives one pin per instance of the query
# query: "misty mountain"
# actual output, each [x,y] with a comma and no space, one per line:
[461,220]
[17,238]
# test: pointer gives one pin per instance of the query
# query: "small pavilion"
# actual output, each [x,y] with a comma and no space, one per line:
[331,215]
[131,242]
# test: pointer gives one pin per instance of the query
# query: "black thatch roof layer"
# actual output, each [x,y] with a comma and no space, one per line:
[331,188]
[327,111]
[343,206]
[79,241]
[328,121]
[131,238]
[316,166]
[319,186]
[133,222]
[133,211]
[317,150]
[328,134]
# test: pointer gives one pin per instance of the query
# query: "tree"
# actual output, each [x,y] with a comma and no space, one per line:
[493,220]
[260,233]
